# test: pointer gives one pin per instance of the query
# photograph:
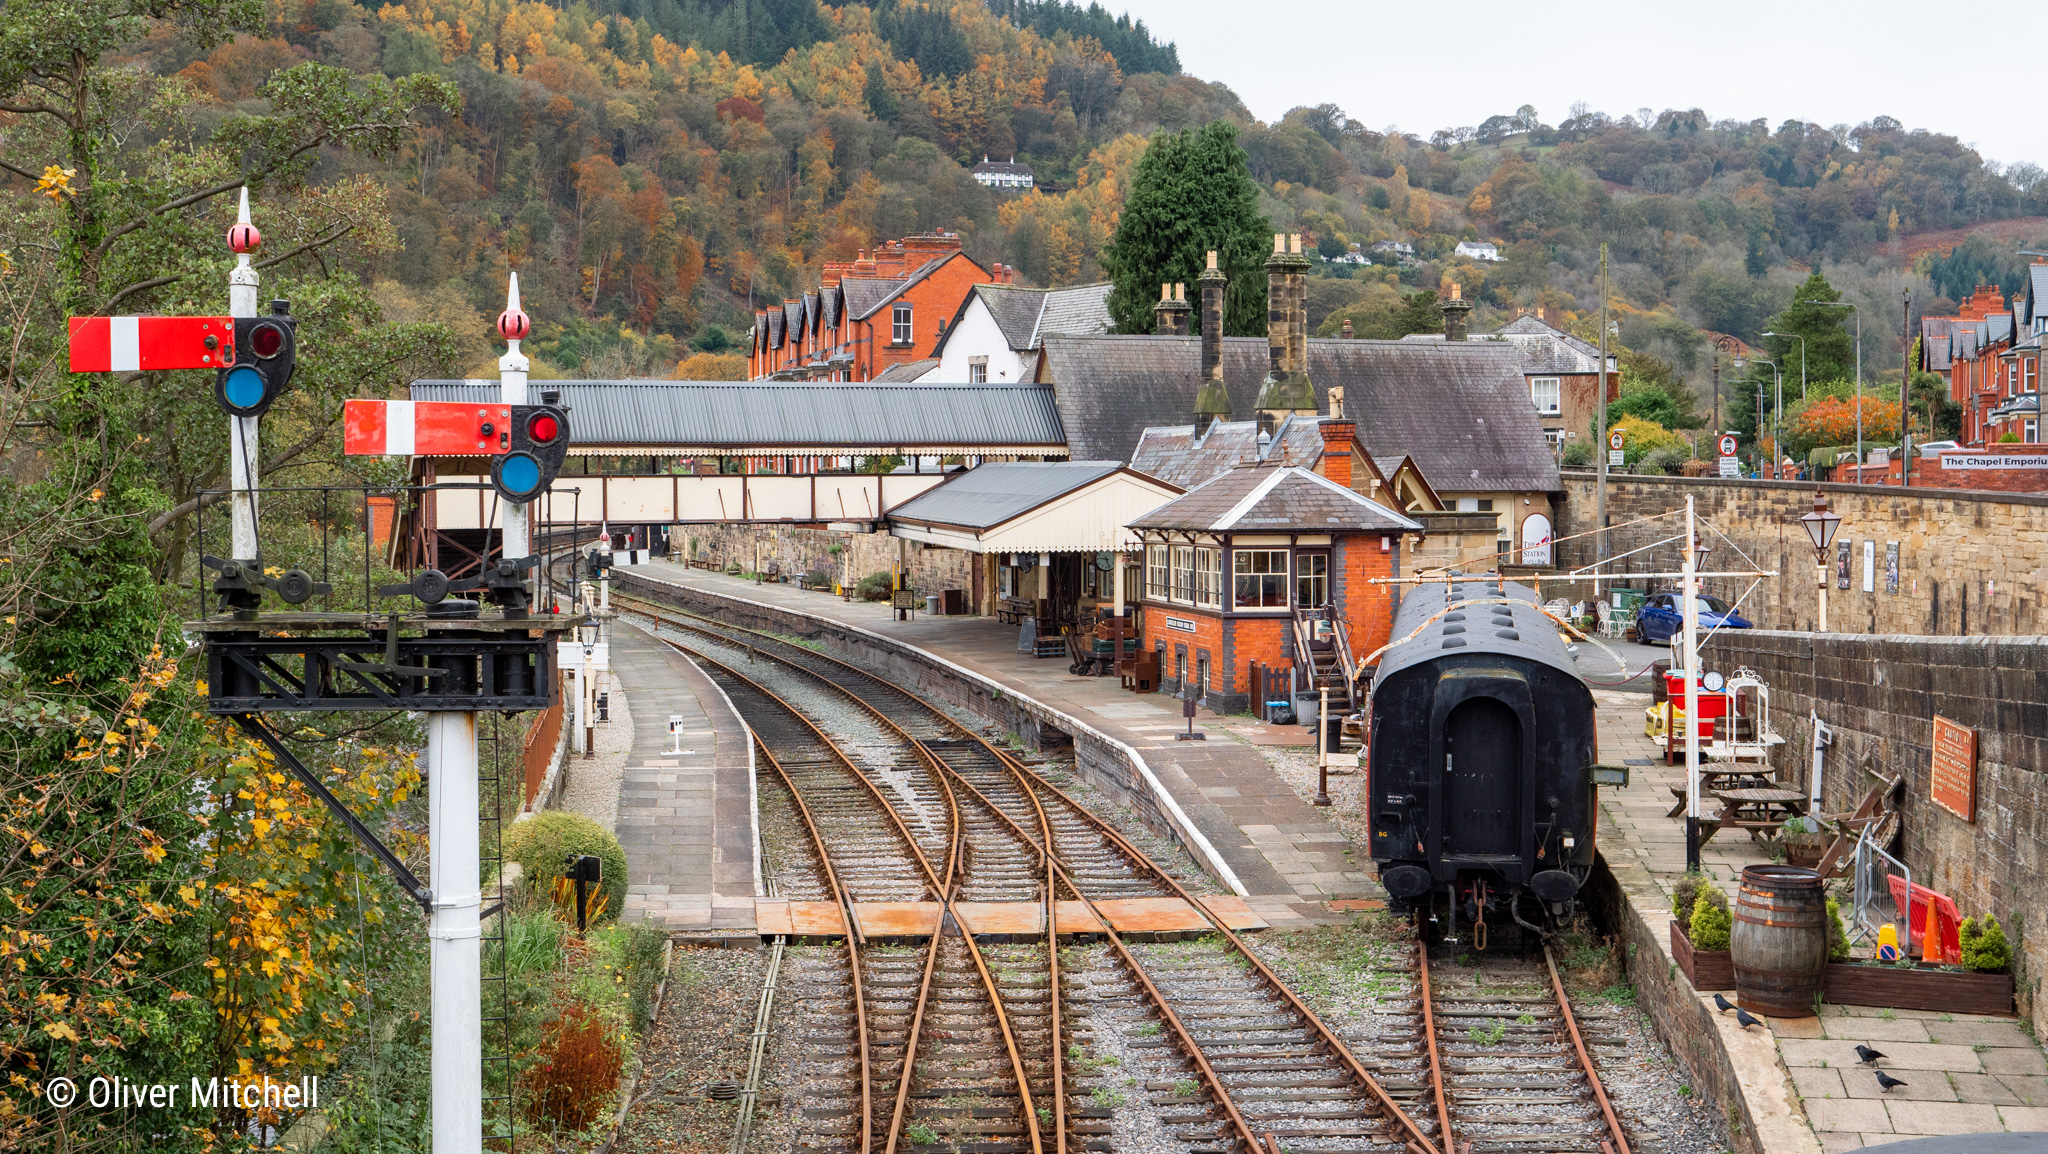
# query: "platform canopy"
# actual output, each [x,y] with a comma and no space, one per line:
[1033,507]
[795,419]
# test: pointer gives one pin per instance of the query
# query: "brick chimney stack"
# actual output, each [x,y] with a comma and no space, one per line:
[1338,433]
[1455,313]
[1212,400]
[1345,333]
[1170,315]
[1286,389]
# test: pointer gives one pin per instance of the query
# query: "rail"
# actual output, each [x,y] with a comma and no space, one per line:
[1326,1038]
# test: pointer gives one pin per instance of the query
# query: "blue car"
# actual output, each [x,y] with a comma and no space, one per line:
[1662,617]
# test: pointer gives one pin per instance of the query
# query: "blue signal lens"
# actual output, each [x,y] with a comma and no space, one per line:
[243,387]
[519,473]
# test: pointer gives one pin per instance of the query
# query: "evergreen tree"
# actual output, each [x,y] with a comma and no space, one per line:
[1190,193]
[1830,353]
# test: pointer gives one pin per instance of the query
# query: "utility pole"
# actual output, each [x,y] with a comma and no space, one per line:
[1906,395]
[1690,590]
[1717,390]
[1600,438]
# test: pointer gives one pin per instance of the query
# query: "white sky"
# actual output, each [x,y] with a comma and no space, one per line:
[1425,66]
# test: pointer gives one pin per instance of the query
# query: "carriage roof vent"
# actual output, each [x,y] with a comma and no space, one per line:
[1450,629]
[1454,643]
[1454,615]
[1508,635]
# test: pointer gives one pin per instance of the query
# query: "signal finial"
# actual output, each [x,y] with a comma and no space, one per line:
[242,236]
[513,323]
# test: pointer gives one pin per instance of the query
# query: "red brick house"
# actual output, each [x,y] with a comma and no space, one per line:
[880,310]
[1990,351]
[1269,564]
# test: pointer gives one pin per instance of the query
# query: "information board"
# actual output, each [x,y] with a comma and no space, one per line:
[1955,768]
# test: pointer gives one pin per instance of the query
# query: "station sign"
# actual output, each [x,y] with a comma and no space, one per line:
[1954,777]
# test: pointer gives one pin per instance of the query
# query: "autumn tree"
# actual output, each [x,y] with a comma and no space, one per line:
[1190,194]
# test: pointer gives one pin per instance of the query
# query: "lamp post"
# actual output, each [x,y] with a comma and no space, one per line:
[1859,376]
[1777,407]
[1821,526]
[1802,358]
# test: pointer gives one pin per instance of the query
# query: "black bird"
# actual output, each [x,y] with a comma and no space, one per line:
[1722,1004]
[1746,1018]
[1867,1055]
[1886,1081]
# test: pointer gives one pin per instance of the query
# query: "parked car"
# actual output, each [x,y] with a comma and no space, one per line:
[1934,448]
[1662,616]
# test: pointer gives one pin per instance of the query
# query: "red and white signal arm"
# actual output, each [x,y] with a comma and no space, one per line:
[1727,444]
[129,344]
[425,429]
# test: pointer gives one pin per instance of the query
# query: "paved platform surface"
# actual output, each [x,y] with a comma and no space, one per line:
[1965,1073]
[686,821]
[1291,859]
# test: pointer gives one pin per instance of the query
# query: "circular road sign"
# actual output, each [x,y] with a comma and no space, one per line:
[1727,444]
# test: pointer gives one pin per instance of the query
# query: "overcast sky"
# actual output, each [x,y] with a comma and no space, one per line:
[1425,66]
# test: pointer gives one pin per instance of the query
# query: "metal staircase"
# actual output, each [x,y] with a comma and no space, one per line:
[1322,657]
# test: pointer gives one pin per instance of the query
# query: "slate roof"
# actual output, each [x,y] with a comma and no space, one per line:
[2037,292]
[990,494]
[1935,350]
[1535,635]
[864,294]
[1001,167]
[1547,349]
[1026,316]
[1170,453]
[1460,408]
[905,372]
[1252,499]
[712,415]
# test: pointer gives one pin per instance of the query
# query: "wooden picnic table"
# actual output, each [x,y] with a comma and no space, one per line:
[1713,782]
[1760,811]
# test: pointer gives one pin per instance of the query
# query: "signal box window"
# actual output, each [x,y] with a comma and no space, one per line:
[1312,580]
[1261,578]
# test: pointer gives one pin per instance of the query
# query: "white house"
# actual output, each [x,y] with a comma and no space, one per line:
[1006,175]
[995,336]
[1397,247]
[1478,250]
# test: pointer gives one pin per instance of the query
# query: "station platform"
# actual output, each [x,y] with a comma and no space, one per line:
[686,821]
[1295,866]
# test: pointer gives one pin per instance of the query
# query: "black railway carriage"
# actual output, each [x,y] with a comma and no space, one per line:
[1482,750]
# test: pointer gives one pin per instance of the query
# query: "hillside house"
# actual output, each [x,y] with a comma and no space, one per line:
[1002,175]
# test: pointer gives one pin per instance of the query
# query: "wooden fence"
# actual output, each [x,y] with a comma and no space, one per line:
[541,739]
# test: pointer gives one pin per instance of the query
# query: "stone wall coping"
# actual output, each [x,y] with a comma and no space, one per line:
[1974,641]
[2038,500]
[1066,721]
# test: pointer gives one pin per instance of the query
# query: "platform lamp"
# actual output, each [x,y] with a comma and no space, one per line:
[1821,526]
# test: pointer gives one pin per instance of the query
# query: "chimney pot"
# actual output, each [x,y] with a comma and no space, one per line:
[1294,242]
[1345,332]
[1180,290]
[1279,242]
[1212,258]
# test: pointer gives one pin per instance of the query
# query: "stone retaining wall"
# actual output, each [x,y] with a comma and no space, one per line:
[799,550]
[1969,563]
[1880,695]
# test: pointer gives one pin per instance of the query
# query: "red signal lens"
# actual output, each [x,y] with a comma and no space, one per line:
[543,429]
[266,341]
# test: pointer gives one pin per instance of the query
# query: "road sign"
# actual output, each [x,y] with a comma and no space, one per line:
[1727,444]
[1614,440]
[1616,458]
[129,344]
[1730,466]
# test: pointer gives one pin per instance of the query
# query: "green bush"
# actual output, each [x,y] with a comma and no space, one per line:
[1577,455]
[1663,460]
[541,843]
[1985,948]
[1711,921]
[874,587]
[1838,934]
[1685,893]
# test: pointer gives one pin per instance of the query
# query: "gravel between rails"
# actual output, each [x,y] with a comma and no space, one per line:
[701,1037]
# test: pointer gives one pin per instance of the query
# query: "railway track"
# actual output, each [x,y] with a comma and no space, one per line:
[1240,1062]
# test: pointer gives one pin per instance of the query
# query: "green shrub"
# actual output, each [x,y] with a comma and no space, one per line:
[1711,921]
[1665,459]
[541,843]
[1985,948]
[1838,934]
[874,587]
[1685,893]
[1577,455]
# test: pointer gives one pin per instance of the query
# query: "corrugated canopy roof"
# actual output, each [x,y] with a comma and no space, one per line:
[1459,408]
[988,495]
[829,417]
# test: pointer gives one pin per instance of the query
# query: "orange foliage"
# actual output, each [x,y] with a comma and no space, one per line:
[578,1069]
[1832,420]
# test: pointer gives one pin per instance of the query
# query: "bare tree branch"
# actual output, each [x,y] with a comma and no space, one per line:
[309,246]
[138,286]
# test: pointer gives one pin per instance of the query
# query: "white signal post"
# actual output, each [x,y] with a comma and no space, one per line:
[242,285]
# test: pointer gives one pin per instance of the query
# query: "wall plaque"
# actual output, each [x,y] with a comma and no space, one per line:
[1180,623]
[1955,768]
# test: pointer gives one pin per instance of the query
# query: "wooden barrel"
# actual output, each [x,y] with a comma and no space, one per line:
[1779,943]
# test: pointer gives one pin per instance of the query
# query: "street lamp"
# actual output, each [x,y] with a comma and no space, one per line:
[1802,358]
[1859,376]
[1777,406]
[1821,526]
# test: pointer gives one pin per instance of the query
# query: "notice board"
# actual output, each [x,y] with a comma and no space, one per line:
[1955,768]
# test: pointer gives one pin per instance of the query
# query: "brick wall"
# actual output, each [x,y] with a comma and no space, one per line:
[1880,694]
[1969,563]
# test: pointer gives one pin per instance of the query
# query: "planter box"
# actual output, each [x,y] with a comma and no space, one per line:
[1705,969]
[1920,988]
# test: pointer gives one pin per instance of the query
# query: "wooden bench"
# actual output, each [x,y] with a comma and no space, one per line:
[1013,610]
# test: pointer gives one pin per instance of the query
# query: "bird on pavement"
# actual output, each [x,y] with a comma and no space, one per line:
[1886,1081]
[1722,1004]
[1746,1018]
[1866,1054]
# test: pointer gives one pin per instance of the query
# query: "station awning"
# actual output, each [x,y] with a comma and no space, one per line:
[1033,507]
